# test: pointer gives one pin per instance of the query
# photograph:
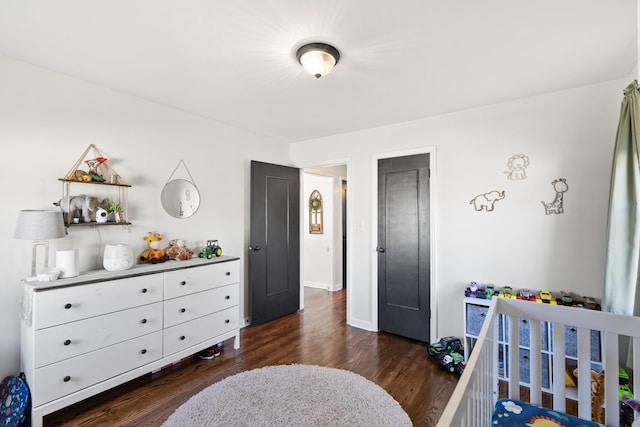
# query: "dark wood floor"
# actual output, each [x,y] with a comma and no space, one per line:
[317,335]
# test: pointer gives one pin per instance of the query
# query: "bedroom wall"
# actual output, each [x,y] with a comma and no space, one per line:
[567,134]
[47,121]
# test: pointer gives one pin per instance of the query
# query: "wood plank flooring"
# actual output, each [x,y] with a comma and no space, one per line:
[317,335]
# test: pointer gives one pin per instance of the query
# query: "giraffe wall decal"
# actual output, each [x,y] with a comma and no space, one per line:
[556,207]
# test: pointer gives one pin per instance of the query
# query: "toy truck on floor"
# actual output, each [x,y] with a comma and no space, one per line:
[212,249]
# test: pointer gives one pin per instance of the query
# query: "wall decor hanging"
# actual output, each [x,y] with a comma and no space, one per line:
[180,197]
[517,165]
[487,200]
[315,212]
[560,186]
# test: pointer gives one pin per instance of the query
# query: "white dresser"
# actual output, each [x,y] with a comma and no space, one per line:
[87,334]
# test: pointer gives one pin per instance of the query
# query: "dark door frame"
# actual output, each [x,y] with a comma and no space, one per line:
[374,231]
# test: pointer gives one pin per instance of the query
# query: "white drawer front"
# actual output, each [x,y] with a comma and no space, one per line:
[62,305]
[189,280]
[196,331]
[183,309]
[63,378]
[72,339]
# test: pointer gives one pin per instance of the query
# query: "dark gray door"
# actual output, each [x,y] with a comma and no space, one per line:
[403,246]
[274,252]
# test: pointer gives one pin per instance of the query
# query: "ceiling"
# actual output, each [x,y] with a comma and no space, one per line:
[234,61]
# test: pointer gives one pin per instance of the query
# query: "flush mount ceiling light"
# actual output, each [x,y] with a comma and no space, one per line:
[318,59]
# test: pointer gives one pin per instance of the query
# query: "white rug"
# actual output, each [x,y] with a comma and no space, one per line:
[291,395]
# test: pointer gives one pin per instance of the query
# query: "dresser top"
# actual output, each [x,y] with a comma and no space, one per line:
[136,270]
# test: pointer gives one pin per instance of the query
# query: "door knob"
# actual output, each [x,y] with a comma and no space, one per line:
[254,248]
[380,249]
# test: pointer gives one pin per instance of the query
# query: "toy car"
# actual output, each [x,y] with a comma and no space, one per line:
[446,345]
[506,292]
[545,297]
[490,291]
[212,248]
[526,295]
[452,362]
[591,303]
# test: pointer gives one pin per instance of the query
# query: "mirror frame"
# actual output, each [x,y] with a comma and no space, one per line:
[175,198]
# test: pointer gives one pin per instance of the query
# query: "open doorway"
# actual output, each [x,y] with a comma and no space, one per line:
[324,233]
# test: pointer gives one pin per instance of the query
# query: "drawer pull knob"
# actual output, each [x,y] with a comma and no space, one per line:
[482,314]
[67,306]
[524,321]
[525,357]
[67,342]
[143,321]
[66,379]
[182,337]
[227,297]
[182,310]
[572,329]
[228,273]
[183,283]
[144,290]
[227,321]
[143,351]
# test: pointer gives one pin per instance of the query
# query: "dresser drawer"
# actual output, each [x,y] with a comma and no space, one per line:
[201,329]
[187,281]
[189,307]
[60,379]
[76,338]
[62,305]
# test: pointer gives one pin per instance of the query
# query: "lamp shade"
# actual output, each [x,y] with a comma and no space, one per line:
[318,59]
[40,225]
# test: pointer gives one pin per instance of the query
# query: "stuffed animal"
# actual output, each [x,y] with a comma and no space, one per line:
[178,249]
[154,254]
[597,394]
[80,206]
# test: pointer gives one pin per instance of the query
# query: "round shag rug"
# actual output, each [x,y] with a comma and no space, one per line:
[287,395]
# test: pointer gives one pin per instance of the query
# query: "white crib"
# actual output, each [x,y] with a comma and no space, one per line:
[474,398]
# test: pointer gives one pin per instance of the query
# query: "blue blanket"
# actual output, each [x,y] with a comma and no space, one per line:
[513,413]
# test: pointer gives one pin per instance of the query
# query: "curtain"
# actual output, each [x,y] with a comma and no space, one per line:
[621,292]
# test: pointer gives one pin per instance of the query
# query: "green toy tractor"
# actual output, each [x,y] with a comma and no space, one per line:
[212,248]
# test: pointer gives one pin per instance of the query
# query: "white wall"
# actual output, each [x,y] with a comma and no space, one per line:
[318,248]
[46,122]
[567,134]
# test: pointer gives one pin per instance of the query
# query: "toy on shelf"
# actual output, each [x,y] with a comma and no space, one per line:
[506,292]
[446,345]
[545,297]
[490,291]
[212,249]
[526,295]
[591,303]
[154,254]
[178,250]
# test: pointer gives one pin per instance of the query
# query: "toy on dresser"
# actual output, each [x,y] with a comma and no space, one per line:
[154,254]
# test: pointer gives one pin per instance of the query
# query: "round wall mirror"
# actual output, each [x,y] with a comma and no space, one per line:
[180,198]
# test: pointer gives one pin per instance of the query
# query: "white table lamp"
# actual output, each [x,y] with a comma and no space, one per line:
[40,227]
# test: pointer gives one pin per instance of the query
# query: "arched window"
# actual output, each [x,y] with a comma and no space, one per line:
[315,212]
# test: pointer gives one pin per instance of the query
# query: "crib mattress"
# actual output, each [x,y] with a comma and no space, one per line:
[514,413]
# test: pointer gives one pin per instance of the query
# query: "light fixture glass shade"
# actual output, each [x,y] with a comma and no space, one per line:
[39,225]
[318,59]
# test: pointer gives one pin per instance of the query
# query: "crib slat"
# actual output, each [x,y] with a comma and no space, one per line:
[584,373]
[535,360]
[611,357]
[514,357]
[558,382]
[636,365]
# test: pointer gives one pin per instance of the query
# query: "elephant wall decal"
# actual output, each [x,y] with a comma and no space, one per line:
[487,200]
